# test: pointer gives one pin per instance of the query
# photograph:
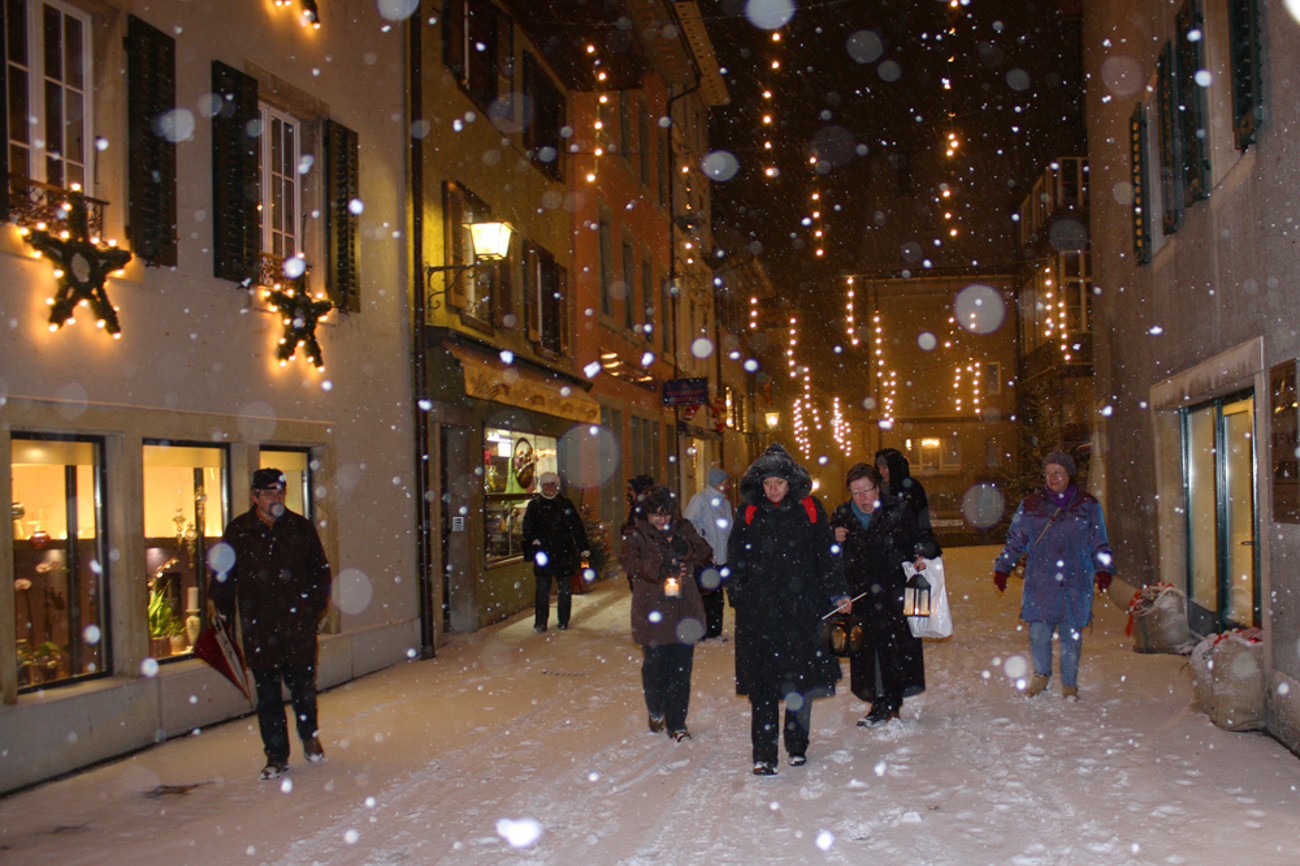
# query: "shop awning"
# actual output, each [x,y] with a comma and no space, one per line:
[488,377]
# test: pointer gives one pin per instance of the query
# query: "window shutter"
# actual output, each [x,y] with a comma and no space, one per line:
[236,241]
[1171,141]
[453,38]
[453,244]
[4,112]
[342,226]
[562,306]
[532,294]
[1191,102]
[1247,71]
[151,90]
[1141,212]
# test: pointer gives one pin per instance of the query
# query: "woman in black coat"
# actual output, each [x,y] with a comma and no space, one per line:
[897,481]
[878,533]
[782,577]
[662,553]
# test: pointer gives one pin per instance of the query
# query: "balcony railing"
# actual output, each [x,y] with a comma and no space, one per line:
[44,207]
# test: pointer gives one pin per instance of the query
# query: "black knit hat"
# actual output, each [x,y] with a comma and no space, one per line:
[269,479]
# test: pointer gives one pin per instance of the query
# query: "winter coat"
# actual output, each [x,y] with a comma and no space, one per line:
[903,485]
[873,563]
[783,577]
[710,513]
[650,555]
[281,583]
[552,526]
[1061,567]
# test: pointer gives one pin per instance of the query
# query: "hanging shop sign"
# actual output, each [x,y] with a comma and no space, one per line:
[686,392]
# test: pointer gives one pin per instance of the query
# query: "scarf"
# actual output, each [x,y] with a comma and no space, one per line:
[1062,499]
[864,517]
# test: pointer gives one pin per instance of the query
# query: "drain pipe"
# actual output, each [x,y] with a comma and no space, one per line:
[679,429]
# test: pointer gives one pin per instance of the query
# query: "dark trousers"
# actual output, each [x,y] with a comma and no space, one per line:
[301,681]
[763,731]
[713,604]
[542,599]
[666,680]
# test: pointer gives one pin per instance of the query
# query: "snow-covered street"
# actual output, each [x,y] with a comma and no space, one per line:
[510,738]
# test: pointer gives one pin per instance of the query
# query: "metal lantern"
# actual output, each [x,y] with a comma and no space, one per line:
[916,596]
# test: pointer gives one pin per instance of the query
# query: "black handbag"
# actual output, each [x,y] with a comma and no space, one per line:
[843,634]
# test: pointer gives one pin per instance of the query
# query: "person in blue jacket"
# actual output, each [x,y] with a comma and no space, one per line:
[1061,533]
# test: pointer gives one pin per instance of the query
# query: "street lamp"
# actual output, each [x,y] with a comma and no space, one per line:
[773,419]
[489,242]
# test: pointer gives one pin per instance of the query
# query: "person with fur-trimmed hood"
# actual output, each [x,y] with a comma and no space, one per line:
[783,577]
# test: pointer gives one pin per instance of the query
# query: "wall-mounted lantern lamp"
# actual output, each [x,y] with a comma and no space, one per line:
[773,419]
[489,242]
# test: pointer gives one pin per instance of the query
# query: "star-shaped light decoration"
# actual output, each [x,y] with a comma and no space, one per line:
[81,266]
[299,313]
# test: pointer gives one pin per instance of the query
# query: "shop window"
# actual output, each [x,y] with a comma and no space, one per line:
[512,463]
[59,568]
[185,506]
[297,465]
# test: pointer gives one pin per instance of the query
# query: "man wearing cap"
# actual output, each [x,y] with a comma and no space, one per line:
[710,513]
[280,586]
[1061,533]
[556,541]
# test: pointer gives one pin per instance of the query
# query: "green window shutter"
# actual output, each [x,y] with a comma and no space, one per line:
[1138,150]
[236,240]
[151,93]
[1196,134]
[1247,71]
[342,226]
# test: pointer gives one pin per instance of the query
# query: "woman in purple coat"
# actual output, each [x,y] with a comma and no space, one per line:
[1061,533]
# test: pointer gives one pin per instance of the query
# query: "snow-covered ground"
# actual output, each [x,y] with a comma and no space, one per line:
[539,741]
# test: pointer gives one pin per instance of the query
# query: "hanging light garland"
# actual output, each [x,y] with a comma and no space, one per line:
[300,313]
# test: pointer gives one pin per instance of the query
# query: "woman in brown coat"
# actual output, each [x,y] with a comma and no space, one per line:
[661,555]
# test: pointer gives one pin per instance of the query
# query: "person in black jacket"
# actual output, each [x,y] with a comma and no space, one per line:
[557,542]
[783,577]
[877,533]
[896,480]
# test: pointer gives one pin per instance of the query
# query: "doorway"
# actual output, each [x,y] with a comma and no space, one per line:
[1222,517]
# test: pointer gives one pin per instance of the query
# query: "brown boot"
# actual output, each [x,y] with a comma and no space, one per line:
[1037,685]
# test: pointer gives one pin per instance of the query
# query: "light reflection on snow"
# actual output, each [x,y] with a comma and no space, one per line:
[521,833]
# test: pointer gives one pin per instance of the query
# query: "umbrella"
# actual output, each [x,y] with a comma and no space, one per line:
[216,648]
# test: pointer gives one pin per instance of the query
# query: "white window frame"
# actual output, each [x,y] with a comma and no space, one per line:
[275,123]
[38,155]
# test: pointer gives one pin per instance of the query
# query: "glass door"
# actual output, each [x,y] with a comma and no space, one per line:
[1219,478]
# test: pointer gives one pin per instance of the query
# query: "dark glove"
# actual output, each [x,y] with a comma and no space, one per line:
[1000,580]
[1103,580]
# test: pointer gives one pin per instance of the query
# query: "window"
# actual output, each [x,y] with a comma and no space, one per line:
[992,377]
[281,196]
[644,145]
[542,133]
[470,290]
[1247,71]
[644,446]
[297,465]
[939,453]
[546,303]
[512,463]
[469,48]
[49,73]
[1192,120]
[992,453]
[60,571]
[664,147]
[260,190]
[625,109]
[185,505]
[646,325]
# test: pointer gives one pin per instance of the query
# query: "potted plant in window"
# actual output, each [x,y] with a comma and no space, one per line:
[166,631]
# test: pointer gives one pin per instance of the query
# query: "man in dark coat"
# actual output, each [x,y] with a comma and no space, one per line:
[896,475]
[783,577]
[877,533]
[280,584]
[556,541]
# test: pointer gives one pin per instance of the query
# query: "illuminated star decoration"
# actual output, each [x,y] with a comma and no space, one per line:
[75,254]
[300,313]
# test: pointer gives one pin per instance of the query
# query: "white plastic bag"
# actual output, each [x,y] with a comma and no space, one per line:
[939,623]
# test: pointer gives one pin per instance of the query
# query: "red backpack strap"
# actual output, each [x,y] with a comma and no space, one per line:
[749,513]
[810,508]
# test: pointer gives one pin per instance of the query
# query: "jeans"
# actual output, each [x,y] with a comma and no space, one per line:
[301,680]
[542,598]
[763,731]
[1040,648]
[666,680]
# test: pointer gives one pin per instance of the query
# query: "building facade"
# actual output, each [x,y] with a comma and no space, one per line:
[216,194]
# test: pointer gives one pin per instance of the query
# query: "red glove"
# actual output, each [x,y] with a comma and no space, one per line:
[1103,580]
[1000,580]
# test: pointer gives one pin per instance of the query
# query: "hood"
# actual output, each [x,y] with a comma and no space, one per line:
[775,461]
[899,469]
